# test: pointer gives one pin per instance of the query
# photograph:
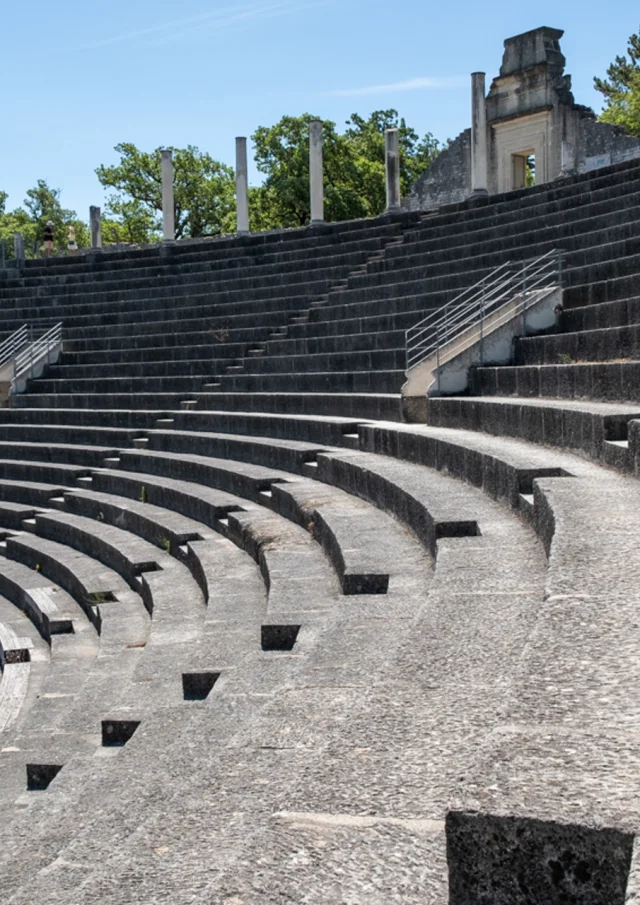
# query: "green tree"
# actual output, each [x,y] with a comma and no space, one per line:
[621,89]
[203,193]
[128,221]
[42,203]
[354,168]
[366,137]
[282,154]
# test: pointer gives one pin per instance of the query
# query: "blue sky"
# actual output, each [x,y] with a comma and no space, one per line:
[79,78]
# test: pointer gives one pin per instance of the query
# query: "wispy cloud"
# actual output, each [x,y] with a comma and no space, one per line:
[189,26]
[417,84]
[248,14]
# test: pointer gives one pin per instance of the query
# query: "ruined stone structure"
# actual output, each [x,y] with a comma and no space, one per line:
[529,112]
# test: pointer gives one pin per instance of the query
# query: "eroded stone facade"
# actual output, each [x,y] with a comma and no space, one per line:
[530,113]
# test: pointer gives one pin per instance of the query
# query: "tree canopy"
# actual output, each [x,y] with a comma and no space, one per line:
[203,193]
[621,89]
[354,167]
[204,188]
[42,203]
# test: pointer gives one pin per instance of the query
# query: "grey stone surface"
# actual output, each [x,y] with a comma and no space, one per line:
[291,719]
[231,384]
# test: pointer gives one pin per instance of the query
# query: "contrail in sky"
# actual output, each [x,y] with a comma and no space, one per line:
[417,84]
[177,29]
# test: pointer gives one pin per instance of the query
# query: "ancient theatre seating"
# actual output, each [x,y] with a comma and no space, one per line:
[284,647]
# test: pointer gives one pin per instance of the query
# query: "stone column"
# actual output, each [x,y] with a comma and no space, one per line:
[479,151]
[18,249]
[168,214]
[242,187]
[392,165]
[96,227]
[316,183]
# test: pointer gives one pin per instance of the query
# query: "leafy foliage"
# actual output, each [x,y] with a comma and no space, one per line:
[354,168]
[621,89]
[203,194]
[204,189]
[41,204]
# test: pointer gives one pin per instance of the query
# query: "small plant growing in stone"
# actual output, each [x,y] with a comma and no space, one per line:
[98,597]
[101,516]
[220,334]
[165,543]
[37,567]
[143,494]
[564,358]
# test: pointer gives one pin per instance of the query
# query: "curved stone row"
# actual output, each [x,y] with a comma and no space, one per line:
[298,703]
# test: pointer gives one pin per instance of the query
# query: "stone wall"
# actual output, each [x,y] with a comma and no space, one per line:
[448,179]
[530,110]
[602,144]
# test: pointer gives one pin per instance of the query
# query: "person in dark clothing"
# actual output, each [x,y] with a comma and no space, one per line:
[48,239]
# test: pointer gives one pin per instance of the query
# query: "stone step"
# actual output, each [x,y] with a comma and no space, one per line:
[226,267]
[114,610]
[601,345]
[350,405]
[357,382]
[30,430]
[150,572]
[614,381]
[566,424]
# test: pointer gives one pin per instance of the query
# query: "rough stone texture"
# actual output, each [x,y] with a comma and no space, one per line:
[601,144]
[341,754]
[490,667]
[511,861]
[529,110]
[447,180]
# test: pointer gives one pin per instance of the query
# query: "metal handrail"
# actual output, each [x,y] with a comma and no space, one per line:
[470,307]
[36,350]
[12,345]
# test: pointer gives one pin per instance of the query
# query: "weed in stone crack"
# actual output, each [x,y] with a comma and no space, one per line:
[165,543]
[565,359]
[143,494]
[101,516]
[37,567]
[220,334]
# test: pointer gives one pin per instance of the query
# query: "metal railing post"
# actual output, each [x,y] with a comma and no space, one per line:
[524,298]
[438,357]
[482,310]
[494,292]
[560,266]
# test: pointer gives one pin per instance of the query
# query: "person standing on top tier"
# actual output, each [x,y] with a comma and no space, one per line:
[48,239]
[72,245]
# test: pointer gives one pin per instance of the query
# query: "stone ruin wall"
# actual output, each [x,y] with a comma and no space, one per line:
[602,145]
[531,96]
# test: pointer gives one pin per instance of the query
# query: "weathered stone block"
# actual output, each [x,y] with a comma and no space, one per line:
[496,860]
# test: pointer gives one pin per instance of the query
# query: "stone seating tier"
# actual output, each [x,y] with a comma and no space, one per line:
[357,308]
[313,632]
